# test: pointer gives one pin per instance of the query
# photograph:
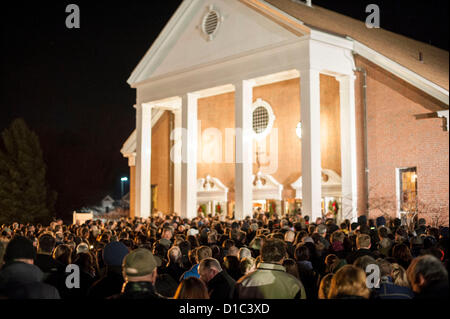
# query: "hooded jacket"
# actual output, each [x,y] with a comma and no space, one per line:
[19,280]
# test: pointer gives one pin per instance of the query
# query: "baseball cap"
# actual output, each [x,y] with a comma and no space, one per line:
[140,262]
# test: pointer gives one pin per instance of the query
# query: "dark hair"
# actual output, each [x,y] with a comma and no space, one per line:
[291,267]
[47,243]
[273,250]
[402,254]
[301,253]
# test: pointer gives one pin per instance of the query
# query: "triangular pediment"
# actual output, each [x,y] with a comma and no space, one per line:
[244,26]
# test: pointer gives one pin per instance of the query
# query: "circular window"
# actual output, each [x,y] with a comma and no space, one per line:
[210,23]
[262,119]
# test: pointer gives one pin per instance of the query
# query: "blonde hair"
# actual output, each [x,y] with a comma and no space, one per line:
[324,287]
[349,281]
[398,275]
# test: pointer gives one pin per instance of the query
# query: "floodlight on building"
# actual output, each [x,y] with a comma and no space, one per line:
[298,129]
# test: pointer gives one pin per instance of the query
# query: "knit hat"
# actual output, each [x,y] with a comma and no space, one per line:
[19,248]
[114,253]
[381,221]
[140,262]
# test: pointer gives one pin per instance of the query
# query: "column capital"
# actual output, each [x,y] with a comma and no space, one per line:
[345,77]
[250,83]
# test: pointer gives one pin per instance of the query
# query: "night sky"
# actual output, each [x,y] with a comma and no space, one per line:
[70,84]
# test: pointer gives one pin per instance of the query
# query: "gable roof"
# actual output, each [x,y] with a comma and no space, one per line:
[403,50]
[393,52]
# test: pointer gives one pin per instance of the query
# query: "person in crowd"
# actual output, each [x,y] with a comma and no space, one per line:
[363,245]
[232,266]
[240,242]
[428,278]
[139,271]
[291,267]
[247,265]
[174,267]
[281,286]
[201,253]
[349,282]
[289,239]
[191,288]
[220,284]
[402,255]
[388,289]
[19,277]
[324,286]
[111,283]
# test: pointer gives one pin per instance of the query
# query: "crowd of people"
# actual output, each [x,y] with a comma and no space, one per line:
[263,256]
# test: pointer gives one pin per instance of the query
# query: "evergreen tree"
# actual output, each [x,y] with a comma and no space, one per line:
[24,193]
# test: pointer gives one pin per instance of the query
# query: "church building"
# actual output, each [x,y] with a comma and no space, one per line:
[284,105]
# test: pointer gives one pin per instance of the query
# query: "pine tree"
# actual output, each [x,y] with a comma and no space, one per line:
[24,193]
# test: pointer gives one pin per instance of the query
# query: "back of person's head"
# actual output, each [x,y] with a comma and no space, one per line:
[289,236]
[46,243]
[19,248]
[364,261]
[349,281]
[63,254]
[322,229]
[174,254]
[203,252]
[425,270]
[363,241]
[324,287]
[231,265]
[402,253]
[247,265]
[291,267]
[244,253]
[191,288]
[384,266]
[302,252]
[337,236]
[273,251]
[398,275]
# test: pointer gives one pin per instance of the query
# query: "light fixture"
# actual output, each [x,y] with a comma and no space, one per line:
[124,179]
[298,129]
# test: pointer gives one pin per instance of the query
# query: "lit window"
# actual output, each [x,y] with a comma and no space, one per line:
[408,189]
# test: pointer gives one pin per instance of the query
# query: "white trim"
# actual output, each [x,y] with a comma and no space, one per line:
[165,34]
[402,72]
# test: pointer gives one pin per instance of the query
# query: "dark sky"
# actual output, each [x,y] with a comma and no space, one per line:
[70,84]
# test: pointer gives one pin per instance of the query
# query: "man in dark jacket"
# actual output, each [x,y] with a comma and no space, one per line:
[53,270]
[220,284]
[140,272]
[19,277]
[112,282]
[428,278]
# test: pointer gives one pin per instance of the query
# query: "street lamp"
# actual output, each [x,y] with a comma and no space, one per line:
[123,179]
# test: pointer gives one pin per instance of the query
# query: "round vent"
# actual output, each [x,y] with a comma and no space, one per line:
[262,119]
[211,23]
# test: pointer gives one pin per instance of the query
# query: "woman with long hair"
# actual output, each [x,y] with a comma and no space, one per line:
[349,282]
[191,288]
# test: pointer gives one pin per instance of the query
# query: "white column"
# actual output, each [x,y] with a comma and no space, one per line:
[143,159]
[311,158]
[189,154]
[177,137]
[243,153]
[348,146]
